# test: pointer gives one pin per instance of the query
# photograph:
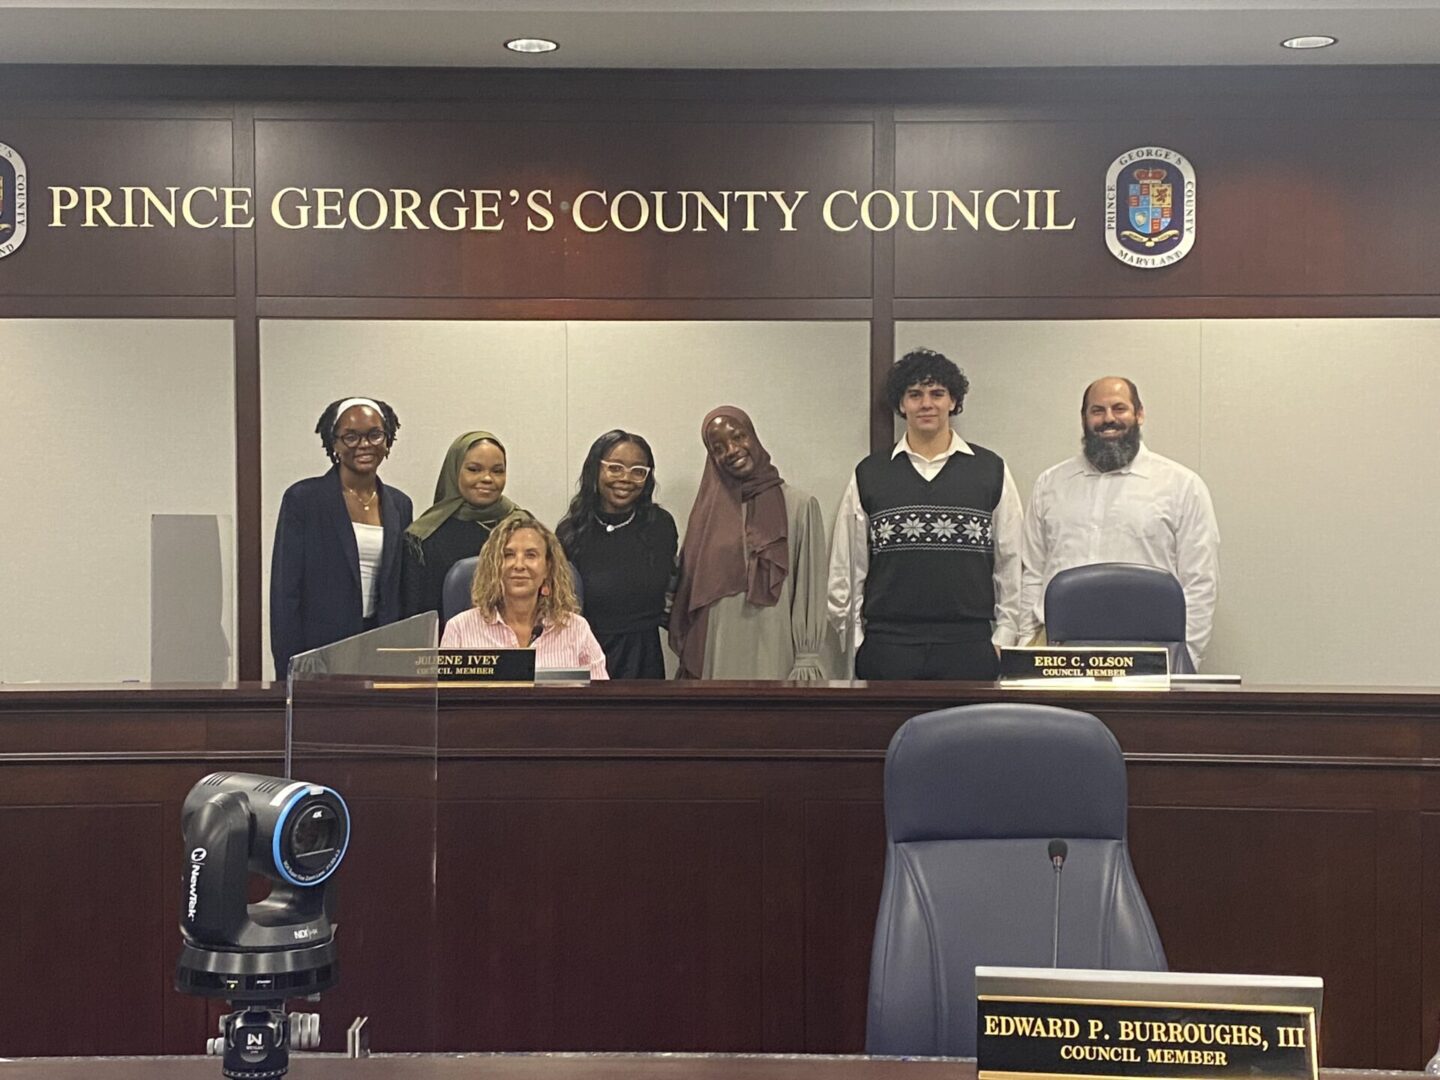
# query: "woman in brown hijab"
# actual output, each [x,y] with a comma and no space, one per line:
[750,603]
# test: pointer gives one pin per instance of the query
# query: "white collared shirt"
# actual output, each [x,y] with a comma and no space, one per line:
[850,551]
[1154,511]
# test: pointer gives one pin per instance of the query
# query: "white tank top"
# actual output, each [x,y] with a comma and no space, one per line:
[370,539]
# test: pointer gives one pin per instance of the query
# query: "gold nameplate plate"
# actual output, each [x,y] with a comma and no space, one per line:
[507,667]
[467,667]
[1128,1037]
[1120,667]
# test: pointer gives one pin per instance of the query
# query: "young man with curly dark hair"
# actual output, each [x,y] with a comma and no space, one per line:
[925,564]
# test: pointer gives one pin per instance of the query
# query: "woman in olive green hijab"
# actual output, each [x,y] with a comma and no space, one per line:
[469,502]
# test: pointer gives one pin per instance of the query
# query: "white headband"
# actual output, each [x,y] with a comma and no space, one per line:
[351,402]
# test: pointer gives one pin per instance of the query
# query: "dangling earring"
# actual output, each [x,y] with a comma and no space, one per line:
[544,590]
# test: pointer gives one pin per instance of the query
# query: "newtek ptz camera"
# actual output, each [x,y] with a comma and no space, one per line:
[257,955]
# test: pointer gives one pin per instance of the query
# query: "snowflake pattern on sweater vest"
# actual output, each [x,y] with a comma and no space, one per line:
[941,528]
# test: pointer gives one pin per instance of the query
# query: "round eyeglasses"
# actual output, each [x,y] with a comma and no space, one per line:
[352,439]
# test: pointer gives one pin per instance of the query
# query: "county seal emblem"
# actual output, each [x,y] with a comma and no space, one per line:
[1150,207]
[12,200]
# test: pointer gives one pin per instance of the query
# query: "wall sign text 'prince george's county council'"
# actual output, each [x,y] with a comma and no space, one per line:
[365,209]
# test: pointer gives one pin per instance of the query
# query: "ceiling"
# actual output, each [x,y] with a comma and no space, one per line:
[719,33]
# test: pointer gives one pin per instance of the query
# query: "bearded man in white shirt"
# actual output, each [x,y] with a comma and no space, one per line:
[925,564]
[1118,501]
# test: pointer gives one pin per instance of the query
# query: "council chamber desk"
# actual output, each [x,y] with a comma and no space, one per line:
[544,1067]
[661,866]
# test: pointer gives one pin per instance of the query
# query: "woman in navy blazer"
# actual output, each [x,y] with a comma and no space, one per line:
[336,566]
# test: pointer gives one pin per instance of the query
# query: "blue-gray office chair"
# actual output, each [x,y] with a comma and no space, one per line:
[455,592]
[1118,604]
[973,797]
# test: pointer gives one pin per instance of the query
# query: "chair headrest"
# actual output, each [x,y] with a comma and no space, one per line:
[1114,602]
[462,570]
[455,590]
[1004,770]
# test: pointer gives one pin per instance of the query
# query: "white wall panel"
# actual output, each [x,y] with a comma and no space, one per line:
[1320,448]
[107,421]
[804,384]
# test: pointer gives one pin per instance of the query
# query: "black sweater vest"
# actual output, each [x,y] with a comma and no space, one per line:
[932,554]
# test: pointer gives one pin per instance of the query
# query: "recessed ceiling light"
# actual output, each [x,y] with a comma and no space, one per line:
[531,45]
[1309,41]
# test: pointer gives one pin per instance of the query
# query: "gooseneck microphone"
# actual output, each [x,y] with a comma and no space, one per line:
[1057,851]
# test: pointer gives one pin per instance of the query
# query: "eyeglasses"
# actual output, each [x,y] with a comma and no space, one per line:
[352,439]
[614,470]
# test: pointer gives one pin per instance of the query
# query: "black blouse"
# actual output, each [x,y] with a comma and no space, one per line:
[627,575]
[422,575]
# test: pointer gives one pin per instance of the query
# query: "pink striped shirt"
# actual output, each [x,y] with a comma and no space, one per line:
[568,646]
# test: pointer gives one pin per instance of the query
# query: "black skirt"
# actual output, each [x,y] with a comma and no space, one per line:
[633,655]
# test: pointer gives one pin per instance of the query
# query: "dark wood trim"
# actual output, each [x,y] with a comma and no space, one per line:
[1169,307]
[691,113]
[248,421]
[116,307]
[882,324]
[57,108]
[1060,90]
[1406,702]
[326,307]
[207,758]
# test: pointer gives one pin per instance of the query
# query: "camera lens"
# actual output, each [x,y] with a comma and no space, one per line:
[314,836]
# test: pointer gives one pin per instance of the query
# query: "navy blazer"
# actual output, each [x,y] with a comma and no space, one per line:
[315,569]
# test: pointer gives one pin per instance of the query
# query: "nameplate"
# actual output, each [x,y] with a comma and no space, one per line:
[1128,1035]
[510,666]
[1125,667]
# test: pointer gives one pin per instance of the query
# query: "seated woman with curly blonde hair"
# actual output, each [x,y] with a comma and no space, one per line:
[524,599]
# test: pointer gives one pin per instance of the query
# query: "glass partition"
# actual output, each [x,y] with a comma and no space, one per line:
[361,719]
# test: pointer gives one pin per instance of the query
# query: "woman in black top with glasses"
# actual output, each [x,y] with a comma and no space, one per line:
[623,545]
[335,570]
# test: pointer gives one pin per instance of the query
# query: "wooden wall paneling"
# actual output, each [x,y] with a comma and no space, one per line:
[1429,914]
[249,424]
[83,879]
[99,842]
[1170,307]
[750,815]
[1346,91]
[882,322]
[97,724]
[1283,211]
[1273,891]
[116,307]
[1400,1041]
[785,975]
[154,262]
[610,924]
[1320,730]
[1430,932]
[632,309]
[566,158]
[844,864]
